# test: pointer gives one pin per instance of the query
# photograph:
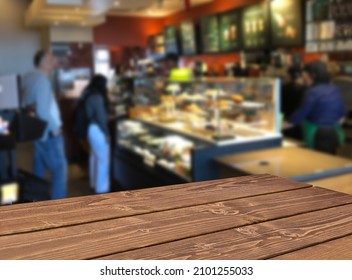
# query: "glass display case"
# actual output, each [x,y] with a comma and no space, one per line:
[158,148]
[216,111]
[179,126]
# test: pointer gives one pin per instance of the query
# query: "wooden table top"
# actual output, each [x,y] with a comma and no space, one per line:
[254,217]
[294,163]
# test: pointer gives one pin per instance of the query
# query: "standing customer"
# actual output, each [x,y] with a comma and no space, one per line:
[95,97]
[322,110]
[49,151]
[292,93]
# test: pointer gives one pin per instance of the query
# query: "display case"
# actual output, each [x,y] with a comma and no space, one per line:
[176,128]
[216,111]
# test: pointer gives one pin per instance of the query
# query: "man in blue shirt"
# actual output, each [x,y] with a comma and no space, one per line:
[322,110]
[49,151]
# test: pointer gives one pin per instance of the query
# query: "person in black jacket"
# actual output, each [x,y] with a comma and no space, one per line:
[292,94]
[96,104]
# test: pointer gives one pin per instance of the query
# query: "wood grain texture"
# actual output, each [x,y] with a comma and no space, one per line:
[340,249]
[54,214]
[123,234]
[260,241]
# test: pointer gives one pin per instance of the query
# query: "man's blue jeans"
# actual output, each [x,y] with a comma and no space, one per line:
[49,155]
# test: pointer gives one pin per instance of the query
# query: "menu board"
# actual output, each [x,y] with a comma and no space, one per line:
[255,26]
[210,34]
[321,10]
[170,35]
[188,38]
[286,23]
[229,31]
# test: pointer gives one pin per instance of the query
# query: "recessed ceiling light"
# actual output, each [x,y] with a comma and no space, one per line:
[117,3]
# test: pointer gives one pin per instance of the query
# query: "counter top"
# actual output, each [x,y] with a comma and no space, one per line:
[255,217]
[242,134]
[293,163]
[342,183]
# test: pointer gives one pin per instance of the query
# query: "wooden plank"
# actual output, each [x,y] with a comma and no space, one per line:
[340,249]
[260,241]
[55,214]
[118,235]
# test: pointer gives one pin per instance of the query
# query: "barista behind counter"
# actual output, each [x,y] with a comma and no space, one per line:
[322,111]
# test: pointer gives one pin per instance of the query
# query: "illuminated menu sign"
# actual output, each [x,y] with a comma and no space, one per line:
[188,38]
[230,39]
[210,34]
[286,23]
[171,44]
[255,26]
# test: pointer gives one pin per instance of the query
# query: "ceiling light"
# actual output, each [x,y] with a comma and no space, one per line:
[116,3]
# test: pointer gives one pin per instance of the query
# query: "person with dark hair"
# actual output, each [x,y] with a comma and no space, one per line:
[96,105]
[49,151]
[322,110]
[292,93]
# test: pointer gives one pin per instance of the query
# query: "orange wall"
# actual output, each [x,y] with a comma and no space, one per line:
[126,31]
[306,57]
